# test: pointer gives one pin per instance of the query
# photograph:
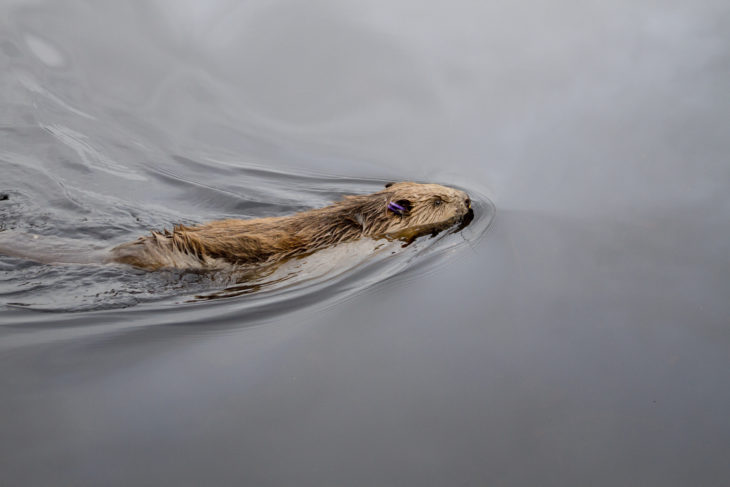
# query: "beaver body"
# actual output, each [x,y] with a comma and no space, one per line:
[400,211]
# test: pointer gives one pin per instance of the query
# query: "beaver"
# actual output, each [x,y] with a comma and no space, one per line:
[404,210]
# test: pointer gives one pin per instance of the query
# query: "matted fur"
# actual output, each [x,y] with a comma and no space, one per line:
[432,208]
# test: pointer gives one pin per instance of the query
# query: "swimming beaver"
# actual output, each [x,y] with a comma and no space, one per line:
[400,211]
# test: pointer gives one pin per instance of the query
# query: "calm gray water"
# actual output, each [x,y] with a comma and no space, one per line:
[579,334]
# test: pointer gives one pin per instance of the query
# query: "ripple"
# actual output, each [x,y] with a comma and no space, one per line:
[88,154]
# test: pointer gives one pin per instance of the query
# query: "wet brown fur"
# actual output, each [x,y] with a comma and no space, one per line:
[271,240]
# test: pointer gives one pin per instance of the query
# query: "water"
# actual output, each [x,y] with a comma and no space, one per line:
[578,335]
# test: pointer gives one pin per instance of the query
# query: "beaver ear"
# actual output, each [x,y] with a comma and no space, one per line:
[400,207]
[388,185]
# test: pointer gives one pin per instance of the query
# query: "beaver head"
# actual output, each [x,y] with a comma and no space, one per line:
[407,210]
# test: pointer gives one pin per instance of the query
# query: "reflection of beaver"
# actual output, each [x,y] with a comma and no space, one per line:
[400,211]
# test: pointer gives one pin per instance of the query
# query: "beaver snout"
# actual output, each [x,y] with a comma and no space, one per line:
[468,212]
[465,201]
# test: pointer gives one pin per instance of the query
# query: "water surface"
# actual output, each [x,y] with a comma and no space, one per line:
[576,336]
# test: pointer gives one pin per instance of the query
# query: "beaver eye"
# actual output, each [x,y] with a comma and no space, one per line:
[437,202]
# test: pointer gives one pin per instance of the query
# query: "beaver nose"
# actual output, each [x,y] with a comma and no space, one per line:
[467,202]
